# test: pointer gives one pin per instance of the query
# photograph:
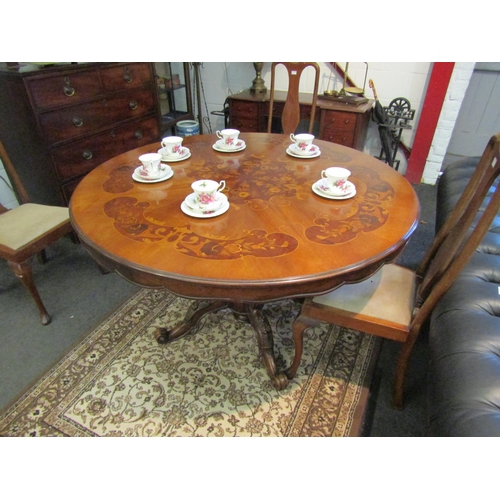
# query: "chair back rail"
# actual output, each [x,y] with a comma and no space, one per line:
[488,161]
[291,112]
[455,242]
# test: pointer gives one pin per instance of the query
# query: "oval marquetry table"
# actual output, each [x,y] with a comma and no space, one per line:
[277,240]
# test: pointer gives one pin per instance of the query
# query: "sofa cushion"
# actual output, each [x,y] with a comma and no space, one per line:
[464,340]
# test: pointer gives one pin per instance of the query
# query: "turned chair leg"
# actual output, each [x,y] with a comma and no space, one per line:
[24,272]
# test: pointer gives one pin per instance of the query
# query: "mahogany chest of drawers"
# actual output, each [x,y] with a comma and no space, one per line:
[58,123]
[335,122]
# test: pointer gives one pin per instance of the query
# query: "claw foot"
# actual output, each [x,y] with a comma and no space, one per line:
[162,335]
[280,381]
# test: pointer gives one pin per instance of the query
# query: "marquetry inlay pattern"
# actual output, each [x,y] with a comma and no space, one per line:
[256,182]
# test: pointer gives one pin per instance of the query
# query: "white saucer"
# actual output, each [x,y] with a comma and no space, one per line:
[167,172]
[292,151]
[320,189]
[207,207]
[218,146]
[188,211]
[185,154]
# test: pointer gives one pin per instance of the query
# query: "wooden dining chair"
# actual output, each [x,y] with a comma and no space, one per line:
[26,231]
[395,303]
[290,117]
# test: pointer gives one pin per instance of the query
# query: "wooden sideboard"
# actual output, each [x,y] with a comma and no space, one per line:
[59,122]
[335,121]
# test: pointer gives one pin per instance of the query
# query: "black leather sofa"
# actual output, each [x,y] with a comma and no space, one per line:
[464,331]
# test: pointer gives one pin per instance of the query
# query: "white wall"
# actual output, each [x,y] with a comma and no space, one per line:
[7,197]
[219,80]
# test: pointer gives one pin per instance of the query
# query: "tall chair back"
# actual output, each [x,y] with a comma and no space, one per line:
[395,303]
[461,234]
[290,117]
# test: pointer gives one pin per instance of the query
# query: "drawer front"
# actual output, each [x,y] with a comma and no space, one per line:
[80,157]
[244,116]
[126,76]
[69,123]
[339,127]
[241,109]
[345,138]
[69,88]
[245,124]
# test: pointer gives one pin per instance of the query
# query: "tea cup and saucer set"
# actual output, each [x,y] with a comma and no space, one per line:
[302,146]
[334,184]
[152,169]
[173,150]
[206,200]
[228,141]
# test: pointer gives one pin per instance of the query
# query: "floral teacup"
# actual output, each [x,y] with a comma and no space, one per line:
[172,146]
[303,143]
[206,191]
[150,164]
[336,178]
[229,138]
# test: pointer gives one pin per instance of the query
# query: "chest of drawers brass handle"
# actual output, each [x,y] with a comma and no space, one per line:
[127,76]
[77,121]
[133,104]
[87,154]
[138,134]
[68,89]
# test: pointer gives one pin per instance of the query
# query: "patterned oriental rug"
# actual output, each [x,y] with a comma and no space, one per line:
[120,382]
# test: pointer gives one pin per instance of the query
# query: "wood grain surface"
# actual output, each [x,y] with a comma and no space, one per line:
[278,239]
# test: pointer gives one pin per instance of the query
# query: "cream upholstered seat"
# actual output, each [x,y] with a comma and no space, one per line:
[396,302]
[27,223]
[25,231]
[388,295]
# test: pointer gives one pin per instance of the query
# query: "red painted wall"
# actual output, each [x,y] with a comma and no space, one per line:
[433,103]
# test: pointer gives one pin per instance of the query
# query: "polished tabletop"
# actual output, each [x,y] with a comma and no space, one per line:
[277,239]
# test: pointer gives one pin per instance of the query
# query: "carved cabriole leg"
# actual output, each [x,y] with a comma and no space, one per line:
[266,344]
[197,310]
[24,272]
[300,325]
[243,312]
